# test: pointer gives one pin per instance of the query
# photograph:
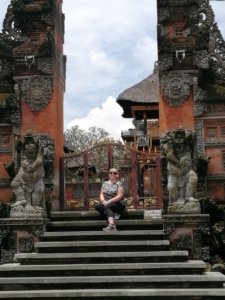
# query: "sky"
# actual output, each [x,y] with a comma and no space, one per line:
[110,46]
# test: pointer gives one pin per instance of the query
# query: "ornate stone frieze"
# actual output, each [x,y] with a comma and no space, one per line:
[9,27]
[217,109]
[200,218]
[5,68]
[165,62]
[22,222]
[163,14]
[37,92]
[25,244]
[13,106]
[164,44]
[204,253]
[45,65]
[201,59]
[217,57]
[199,131]
[4,232]
[38,231]
[168,227]
[48,19]
[203,227]
[184,242]
[175,87]
[205,14]
[29,212]
[31,6]
[7,256]
[47,149]
[200,100]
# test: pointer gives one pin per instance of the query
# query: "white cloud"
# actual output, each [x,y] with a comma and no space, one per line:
[142,50]
[100,43]
[107,117]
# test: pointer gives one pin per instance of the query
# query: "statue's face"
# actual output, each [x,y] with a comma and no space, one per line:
[175,89]
[179,142]
[30,151]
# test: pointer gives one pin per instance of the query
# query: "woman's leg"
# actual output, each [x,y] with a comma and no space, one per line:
[111,209]
[101,209]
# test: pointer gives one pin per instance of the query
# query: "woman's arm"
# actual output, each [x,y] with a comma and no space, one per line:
[101,196]
[119,196]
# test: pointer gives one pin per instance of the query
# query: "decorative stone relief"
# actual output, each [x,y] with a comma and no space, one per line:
[7,256]
[184,242]
[199,130]
[168,227]
[163,14]
[13,106]
[45,64]
[9,22]
[38,231]
[201,59]
[25,244]
[48,19]
[204,253]
[47,150]
[217,57]
[200,99]
[166,62]
[204,228]
[3,233]
[175,87]
[37,92]
[205,14]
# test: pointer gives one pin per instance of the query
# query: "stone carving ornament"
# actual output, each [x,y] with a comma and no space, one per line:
[37,92]
[25,244]
[184,242]
[201,59]
[9,28]
[175,87]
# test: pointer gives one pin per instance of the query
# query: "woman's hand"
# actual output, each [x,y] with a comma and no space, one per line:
[104,202]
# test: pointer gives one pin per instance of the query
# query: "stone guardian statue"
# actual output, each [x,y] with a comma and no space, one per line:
[28,184]
[182,179]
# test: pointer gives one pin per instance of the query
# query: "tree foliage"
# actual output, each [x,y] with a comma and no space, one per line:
[80,139]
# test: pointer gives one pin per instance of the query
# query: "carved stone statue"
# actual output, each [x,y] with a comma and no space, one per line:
[182,179]
[28,184]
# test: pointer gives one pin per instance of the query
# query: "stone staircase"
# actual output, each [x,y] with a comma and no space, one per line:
[77,260]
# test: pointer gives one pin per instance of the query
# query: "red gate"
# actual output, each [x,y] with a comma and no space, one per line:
[82,176]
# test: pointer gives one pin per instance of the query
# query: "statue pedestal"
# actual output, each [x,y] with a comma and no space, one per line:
[27,212]
[188,232]
[191,207]
[18,235]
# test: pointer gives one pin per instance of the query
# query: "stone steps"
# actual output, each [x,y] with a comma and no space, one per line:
[85,269]
[93,215]
[77,260]
[101,257]
[207,280]
[93,225]
[124,294]
[99,246]
[124,235]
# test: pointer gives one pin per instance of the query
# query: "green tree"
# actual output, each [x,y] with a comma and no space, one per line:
[81,139]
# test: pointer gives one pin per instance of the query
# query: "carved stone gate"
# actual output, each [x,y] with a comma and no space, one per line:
[82,176]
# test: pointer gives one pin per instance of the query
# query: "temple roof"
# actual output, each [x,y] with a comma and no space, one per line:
[143,93]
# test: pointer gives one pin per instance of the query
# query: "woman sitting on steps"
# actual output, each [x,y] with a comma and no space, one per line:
[111,199]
